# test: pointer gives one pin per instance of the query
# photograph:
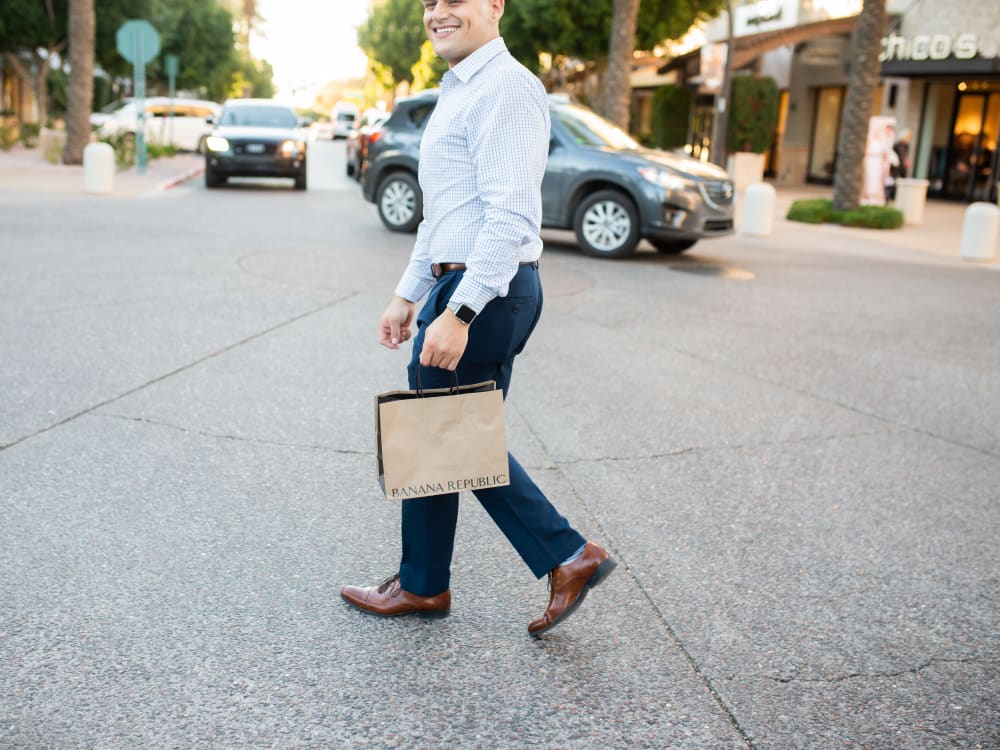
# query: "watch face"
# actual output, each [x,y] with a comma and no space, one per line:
[465,314]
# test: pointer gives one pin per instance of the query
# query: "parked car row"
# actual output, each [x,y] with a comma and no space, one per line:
[599,182]
[182,123]
[359,138]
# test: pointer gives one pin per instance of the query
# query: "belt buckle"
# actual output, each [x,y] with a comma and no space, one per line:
[436,270]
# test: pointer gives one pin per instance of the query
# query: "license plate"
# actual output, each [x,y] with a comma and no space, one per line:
[255,148]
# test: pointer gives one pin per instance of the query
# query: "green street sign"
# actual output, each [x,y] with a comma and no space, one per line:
[137,41]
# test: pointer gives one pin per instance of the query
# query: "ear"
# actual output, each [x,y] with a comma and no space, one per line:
[496,10]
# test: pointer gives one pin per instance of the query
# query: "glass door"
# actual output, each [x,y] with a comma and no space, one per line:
[826,127]
[971,172]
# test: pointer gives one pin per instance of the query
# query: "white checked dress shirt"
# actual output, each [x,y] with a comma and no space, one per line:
[482,158]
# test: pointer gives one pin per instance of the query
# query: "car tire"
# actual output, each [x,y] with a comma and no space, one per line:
[300,182]
[606,224]
[212,179]
[672,247]
[400,204]
[350,167]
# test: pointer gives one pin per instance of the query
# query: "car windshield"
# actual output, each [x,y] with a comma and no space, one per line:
[589,129]
[259,116]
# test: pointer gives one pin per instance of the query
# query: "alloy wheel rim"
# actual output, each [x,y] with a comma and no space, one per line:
[399,202]
[606,225]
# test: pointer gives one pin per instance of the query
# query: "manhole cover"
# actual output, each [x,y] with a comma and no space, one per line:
[723,272]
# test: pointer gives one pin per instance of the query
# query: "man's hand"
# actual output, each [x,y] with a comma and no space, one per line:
[394,327]
[444,342]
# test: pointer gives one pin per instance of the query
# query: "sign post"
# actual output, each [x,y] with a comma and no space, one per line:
[138,42]
[173,64]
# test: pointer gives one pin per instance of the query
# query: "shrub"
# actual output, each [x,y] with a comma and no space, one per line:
[753,114]
[813,211]
[29,134]
[671,110]
[821,211]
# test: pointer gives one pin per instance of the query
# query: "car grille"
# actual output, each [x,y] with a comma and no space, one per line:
[719,192]
[253,148]
[718,225]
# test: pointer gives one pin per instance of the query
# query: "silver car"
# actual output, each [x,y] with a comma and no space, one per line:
[598,182]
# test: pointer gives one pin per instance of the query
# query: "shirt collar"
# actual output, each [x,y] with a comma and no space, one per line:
[478,59]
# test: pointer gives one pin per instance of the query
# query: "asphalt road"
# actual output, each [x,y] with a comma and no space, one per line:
[791,445]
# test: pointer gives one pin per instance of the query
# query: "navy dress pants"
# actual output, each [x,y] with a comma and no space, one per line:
[541,536]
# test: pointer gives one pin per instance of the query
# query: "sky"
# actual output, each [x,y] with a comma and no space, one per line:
[310,42]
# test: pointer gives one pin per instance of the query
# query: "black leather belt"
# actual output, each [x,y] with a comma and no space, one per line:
[440,268]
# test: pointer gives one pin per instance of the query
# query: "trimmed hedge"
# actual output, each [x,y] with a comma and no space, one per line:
[821,211]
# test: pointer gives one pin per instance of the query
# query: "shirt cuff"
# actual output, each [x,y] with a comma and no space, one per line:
[473,294]
[412,287]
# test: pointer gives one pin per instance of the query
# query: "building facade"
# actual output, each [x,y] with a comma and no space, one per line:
[940,81]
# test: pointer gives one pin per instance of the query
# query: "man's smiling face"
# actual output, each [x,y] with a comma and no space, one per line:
[457,28]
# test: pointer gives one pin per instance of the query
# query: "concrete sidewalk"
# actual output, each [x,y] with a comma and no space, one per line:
[25,170]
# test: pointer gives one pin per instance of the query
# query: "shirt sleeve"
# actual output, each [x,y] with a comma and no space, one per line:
[417,279]
[508,146]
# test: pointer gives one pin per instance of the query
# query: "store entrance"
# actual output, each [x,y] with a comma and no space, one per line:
[967,168]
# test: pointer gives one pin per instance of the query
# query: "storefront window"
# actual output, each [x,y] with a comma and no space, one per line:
[826,125]
[963,162]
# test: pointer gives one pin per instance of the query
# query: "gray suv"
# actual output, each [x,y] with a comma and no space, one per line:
[598,182]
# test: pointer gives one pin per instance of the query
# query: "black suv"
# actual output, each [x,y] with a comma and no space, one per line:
[598,182]
[256,138]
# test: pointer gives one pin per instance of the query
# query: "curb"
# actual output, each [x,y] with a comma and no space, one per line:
[182,178]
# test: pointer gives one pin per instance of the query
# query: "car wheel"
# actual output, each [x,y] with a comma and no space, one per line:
[400,205]
[350,167]
[672,247]
[300,182]
[607,224]
[213,180]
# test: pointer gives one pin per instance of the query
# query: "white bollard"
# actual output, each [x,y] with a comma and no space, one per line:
[980,230]
[758,209]
[911,197]
[98,168]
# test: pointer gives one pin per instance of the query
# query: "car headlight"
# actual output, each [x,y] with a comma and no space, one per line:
[292,148]
[663,178]
[215,143]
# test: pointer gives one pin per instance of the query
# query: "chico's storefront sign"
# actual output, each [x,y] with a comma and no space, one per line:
[965,46]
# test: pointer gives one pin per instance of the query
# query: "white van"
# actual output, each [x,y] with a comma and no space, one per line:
[345,119]
[186,132]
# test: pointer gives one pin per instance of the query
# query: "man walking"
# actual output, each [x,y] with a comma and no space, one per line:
[482,158]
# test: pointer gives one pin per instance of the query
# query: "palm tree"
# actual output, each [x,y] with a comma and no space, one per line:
[617,86]
[81,79]
[849,174]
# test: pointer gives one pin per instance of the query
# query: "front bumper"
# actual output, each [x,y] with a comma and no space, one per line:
[255,166]
[691,214]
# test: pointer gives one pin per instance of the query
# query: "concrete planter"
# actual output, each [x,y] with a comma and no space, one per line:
[745,169]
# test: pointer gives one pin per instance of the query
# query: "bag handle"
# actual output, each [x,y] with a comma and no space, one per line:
[452,390]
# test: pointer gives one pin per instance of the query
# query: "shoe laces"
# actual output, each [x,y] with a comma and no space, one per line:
[390,584]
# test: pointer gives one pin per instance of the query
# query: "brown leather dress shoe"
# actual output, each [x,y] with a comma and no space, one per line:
[569,584]
[389,600]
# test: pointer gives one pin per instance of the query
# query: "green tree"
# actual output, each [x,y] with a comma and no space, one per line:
[32,34]
[428,71]
[392,38]
[582,29]
[848,174]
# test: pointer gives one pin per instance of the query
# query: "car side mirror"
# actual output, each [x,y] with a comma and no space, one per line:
[553,145]
[210,119]
[304,122]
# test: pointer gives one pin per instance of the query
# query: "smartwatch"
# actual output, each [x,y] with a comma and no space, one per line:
[463,312]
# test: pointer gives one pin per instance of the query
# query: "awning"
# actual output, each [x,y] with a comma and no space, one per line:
[748,48]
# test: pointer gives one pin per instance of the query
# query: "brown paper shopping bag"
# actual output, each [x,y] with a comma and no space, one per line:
[433,441]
